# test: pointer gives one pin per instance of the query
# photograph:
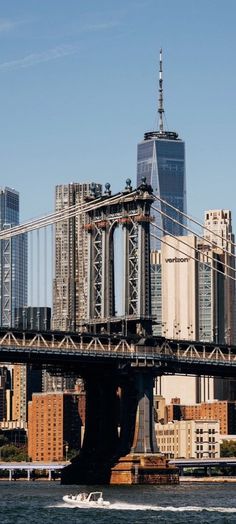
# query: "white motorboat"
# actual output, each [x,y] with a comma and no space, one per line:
[87,500]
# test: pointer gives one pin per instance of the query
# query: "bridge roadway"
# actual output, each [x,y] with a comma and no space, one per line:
[30,467]
[197,463]
[70,350]
[206,463]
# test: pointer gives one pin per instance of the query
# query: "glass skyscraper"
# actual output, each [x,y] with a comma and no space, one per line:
[13,260]
[161,159]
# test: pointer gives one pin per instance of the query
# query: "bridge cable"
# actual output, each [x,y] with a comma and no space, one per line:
[192,220]
[63,214]
[198,236]
[188,255]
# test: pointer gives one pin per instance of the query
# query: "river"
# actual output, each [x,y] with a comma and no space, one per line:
[41,502]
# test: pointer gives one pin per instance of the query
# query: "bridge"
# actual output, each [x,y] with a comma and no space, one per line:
[16,469]
[117,356]
[205,467]
[164,356]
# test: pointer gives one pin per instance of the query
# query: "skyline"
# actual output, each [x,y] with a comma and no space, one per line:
[80,88]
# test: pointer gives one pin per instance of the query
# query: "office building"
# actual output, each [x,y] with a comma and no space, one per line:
[161,159]
[33,318]
[13,260]
[54,426]
[71,258]
[58,383]
[193,300]
[219,231]
[71,265]
[25,381]
[189,439]
[13,279]
[4,387]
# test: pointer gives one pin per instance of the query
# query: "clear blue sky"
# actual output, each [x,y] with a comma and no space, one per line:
[78,88]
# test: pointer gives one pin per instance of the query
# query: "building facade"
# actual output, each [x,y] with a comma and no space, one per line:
[5,384]
[25,381]
[33,318]
[219,231]
[13,260]
[193,299]
[189,439]
[224,411]
[71,258]
[54,426]
[161,160]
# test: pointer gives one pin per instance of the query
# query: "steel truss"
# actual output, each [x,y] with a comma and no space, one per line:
[160,354]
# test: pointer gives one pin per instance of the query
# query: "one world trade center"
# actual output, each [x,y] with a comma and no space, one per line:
[161,159]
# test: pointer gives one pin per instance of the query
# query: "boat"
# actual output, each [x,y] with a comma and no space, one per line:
[87,500]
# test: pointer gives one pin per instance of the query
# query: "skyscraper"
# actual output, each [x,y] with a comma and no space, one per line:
[161,159]
[193,298]
[71,258]
[71,265]
[219,230]
[13,260]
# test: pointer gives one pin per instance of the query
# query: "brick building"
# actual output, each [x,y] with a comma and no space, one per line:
[54,426]
[222,410]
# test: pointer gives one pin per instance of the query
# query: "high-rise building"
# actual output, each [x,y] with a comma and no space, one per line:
[25,381]
[193,299]
[219,231]
[4,387]
[161,159]
[54,426]
[13,260]
[71,258]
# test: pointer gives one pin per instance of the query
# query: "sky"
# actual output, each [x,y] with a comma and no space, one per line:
[79,87]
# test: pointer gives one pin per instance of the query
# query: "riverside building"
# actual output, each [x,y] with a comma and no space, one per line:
[189,439]
[54,426]
[222,410]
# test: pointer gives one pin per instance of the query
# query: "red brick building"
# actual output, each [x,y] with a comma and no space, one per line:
[54,426]
[222,410]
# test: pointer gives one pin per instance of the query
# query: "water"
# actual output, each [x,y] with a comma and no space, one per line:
[41,502]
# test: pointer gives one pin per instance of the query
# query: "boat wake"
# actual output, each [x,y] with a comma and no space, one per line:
[142,507]
[125,506]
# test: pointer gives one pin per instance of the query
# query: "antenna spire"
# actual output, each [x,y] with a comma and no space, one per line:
[160,104]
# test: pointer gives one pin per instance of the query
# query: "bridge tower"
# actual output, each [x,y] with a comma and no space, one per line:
[131,211]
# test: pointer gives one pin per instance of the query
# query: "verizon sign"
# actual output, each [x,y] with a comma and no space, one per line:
[176,259]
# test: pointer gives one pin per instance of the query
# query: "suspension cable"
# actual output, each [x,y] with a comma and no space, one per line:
[192,219]
[188,255]
[63,214]
[198,236]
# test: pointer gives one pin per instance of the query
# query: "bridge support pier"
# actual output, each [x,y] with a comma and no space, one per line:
[119,445]
[143,463]
[100,443]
